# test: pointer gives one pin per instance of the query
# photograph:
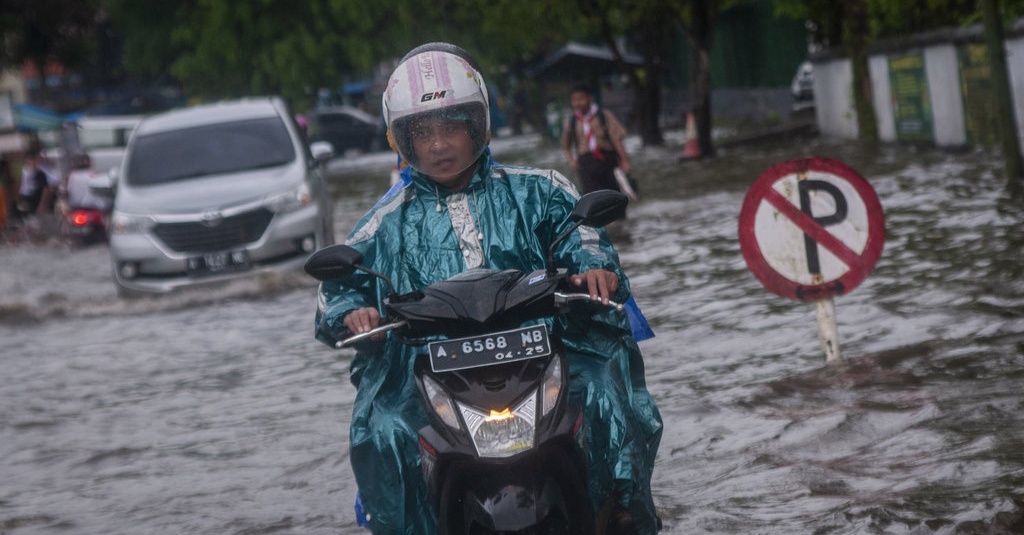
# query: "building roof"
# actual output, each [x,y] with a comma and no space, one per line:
[580,61]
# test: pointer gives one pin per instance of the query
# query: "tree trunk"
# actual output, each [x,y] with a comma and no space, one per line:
[649,91]
[701,37]
[1005,123]
[856,34]
[646,87]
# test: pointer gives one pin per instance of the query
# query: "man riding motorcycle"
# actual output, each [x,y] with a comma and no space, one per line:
[460,210]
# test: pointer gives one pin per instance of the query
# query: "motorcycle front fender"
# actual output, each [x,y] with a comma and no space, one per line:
[547,488]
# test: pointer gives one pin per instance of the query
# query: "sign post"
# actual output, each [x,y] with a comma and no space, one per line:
[810,230]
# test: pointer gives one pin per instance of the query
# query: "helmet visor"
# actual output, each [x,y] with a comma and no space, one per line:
[444,140]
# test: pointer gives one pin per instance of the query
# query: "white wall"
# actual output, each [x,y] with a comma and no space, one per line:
[833,96]
[833,83]
[942,70]
[1015,69]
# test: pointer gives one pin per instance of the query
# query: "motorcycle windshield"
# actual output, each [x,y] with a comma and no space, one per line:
[477,301]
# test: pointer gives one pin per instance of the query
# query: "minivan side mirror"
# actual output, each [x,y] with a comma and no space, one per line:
[104,185]
[322,151]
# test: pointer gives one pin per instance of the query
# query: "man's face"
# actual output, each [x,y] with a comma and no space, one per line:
[444,151]
[579,101]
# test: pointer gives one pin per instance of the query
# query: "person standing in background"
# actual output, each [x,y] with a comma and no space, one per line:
[592,142]
[39,184]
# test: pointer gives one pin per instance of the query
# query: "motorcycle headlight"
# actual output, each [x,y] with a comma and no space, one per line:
[441,403]
[290,201]
[502,433]
[122,223]
[551,387]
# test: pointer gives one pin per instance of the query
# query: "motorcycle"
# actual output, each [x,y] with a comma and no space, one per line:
[84,226]
[504,449]
[84,215]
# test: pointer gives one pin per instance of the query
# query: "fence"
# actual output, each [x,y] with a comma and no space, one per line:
[932,88]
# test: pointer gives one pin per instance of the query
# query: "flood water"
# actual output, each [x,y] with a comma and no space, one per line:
[215,412]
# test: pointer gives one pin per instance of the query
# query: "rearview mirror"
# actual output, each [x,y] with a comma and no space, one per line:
[600,208]
[595,209]
[333,262]
[340,261]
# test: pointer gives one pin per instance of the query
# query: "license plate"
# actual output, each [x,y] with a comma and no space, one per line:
[222,262]
[489,349]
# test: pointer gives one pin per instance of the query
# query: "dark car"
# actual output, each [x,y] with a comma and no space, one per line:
[802,87]
[345,128]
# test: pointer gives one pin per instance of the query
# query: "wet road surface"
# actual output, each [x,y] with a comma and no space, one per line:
[216,412]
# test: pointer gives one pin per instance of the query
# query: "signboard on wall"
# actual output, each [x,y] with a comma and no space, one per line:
[978,94]
[911,104]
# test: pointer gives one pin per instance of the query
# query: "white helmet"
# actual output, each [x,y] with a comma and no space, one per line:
[436,80]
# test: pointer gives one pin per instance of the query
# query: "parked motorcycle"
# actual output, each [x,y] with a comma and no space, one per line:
[504,449]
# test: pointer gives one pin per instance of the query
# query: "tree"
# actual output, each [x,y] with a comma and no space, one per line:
[701,34]
[650,24]
[856,38]
[646,22]
[41,32]
[849,25]
[1006,127]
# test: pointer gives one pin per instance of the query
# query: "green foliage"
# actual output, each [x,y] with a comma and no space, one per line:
[890,18]
[225,48]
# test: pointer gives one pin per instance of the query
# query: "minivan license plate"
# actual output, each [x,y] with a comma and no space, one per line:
[489,349]
[222,262]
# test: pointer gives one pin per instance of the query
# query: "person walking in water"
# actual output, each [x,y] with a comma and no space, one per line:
[592,142]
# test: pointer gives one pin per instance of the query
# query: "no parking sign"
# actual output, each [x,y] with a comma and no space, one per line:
[811,229]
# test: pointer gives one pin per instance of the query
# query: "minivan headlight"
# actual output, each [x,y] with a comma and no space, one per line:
[291,200]
[122,223]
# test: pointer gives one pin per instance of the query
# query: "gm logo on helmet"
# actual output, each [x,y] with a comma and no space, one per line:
[427,97]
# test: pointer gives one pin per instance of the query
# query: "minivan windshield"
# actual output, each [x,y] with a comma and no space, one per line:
[209,150]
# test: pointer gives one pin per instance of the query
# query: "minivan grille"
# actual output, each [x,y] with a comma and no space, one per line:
[228,233]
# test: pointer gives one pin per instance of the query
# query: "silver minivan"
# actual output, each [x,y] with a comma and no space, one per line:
[215,192]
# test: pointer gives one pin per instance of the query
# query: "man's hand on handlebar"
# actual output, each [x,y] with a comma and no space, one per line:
[601,284]
[363,320]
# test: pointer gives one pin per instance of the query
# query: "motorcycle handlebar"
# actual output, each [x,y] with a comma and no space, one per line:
[345,342]
[347,338]
[561,298]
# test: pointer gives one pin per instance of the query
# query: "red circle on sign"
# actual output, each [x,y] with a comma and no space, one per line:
[858,263]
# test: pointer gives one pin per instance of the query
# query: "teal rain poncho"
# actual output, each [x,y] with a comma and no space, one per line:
[503,219]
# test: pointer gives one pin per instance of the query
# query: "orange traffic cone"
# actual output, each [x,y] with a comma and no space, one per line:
[692,148]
